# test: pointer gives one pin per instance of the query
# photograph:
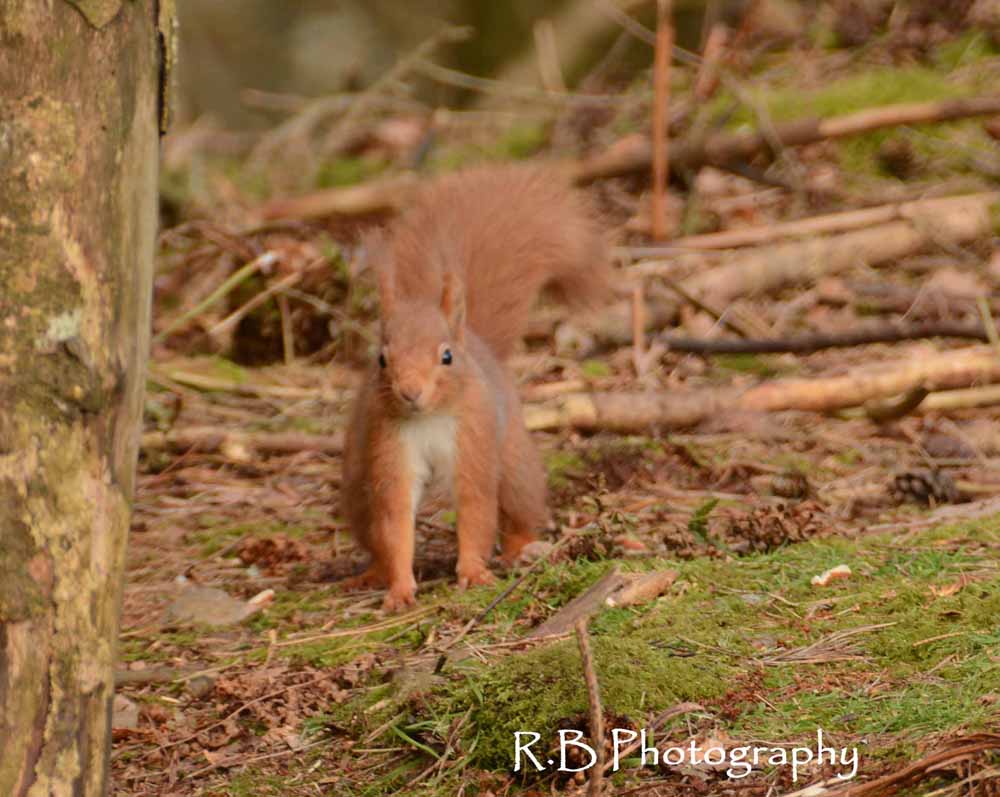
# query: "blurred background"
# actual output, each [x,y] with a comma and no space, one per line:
[278,104]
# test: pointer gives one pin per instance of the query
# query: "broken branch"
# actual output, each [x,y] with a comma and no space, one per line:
[724,149]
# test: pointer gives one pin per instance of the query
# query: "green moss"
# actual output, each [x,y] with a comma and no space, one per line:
[348,171]
[535,689]
[970,47]
[869,89]
[595,369]
[563,466]
[520,141]
[757,364]
[727,621]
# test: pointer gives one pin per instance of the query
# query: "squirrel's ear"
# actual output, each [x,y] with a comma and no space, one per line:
[386,287]
[379,260]
[453,303]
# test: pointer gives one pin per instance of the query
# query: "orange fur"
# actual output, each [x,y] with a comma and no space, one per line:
[457,276]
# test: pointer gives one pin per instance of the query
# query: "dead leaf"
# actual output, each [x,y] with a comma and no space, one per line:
[945,590]
[642,588]
[212,606]
[124,714]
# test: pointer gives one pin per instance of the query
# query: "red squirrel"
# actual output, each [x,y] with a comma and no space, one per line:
[438,414]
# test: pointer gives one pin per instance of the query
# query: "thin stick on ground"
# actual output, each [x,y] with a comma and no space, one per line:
[506,593]
[806,344]
[639,327]
[596,710]
[209,439]
[708,74]
[265,261]
[661,103]
[665,716]
[723,149]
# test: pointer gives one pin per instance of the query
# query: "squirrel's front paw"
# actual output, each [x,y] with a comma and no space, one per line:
[474,575]
[400,596]
[372,578]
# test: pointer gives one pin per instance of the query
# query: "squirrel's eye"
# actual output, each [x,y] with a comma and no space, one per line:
[381,360]
[446,357]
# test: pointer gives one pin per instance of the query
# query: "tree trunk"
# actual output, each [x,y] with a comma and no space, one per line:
[80,89]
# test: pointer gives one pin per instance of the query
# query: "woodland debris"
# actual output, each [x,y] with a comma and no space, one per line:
[824,579]
[594,703]
[623,411]
[262,263]
[944,371]
[955,754]
[728,276]
[642,588]
[615,589]
[124,714]
[932,222]
[582,606]
[925,486]
[725,149]
[833,647]
[843,221]
[211,606]
[806,344]
[240,445]
[897,407]
[156,675]
[967,398]
[635,154]
[387,195]
[661,104]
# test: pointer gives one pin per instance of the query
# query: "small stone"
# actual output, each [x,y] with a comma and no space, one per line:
[124,714]
[200,686]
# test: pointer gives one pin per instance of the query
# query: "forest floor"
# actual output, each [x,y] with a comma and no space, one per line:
[247,670]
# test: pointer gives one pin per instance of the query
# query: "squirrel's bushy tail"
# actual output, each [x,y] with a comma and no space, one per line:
[509,232]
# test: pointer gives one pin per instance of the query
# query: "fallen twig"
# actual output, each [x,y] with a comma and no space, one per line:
[385,195]
[596,710]
[582,606]
[952,220]
[893,409]
[968,398]
[208,439]
[815,225]
[661,104]
[806,344]
[265,261]
[833,647]
[723,149]
[955,752]
[675,410]
[661,719]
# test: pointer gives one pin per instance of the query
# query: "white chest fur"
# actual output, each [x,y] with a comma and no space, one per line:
[429,447]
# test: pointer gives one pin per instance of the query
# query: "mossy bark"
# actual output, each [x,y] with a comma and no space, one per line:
[79,122]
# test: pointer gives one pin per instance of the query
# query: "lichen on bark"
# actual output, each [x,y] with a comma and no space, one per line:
[98,12]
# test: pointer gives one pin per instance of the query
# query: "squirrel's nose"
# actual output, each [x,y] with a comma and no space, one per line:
[410,394]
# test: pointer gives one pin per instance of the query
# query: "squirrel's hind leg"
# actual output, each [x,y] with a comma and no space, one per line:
[523,509]
[476,488]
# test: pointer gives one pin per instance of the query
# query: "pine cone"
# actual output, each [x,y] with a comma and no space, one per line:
[790,484]
[926,487]
[768,527]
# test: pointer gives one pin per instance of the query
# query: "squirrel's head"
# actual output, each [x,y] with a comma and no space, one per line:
[422,357]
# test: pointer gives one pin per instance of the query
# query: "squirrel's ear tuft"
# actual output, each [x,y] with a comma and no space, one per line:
[379,259]
[386,287]
[453,303]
